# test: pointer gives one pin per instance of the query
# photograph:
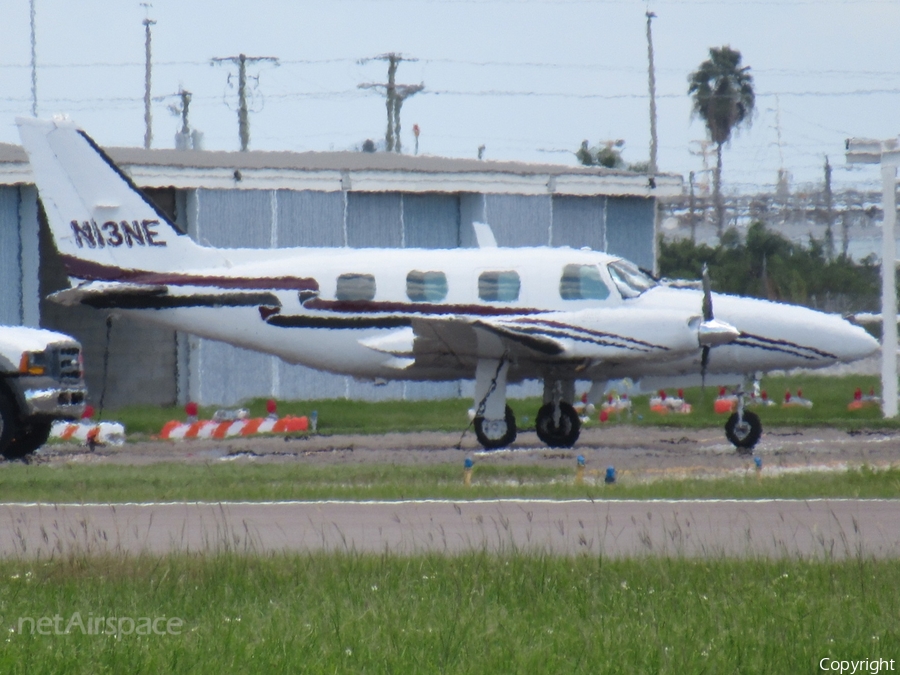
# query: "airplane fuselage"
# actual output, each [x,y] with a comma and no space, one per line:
[319,308]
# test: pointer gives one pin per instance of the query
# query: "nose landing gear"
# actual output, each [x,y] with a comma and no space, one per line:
[743,428]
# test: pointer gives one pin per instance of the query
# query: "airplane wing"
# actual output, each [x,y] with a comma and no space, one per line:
[612,336]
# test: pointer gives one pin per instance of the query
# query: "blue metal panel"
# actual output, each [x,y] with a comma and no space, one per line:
[307,218]
[431,220]
[578,222]
[373,220]
[630,228]
[10,258]
[519,220]
[234,218]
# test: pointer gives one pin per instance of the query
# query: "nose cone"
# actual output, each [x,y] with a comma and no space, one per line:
[813,336]
[857,344]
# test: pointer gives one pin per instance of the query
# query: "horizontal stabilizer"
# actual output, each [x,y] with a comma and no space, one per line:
[82,293]
[114,295]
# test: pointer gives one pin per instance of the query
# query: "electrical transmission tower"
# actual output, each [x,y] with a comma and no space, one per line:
[395,94]
[241,62]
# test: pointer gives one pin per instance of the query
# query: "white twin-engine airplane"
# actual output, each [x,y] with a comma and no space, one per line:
[497,315]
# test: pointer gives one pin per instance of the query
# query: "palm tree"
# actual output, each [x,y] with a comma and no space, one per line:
[723,98]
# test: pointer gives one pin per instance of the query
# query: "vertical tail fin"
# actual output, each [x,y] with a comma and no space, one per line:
[103,226]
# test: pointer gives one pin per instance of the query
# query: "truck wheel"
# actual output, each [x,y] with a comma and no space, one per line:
[9,427]
[29,439]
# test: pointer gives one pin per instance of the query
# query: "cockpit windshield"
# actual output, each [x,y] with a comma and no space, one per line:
[630,280]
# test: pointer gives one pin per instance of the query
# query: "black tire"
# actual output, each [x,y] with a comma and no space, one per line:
[563,435]
[9,427]
[492,443]
[30,438]
[746,437]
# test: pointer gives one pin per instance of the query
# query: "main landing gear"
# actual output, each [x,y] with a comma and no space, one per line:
[557,423]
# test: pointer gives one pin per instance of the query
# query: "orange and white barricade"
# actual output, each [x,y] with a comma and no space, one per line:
[176,431]
[89,433]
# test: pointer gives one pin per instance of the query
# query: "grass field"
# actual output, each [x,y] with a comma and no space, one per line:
[298,481]
[477,613]
[473,613]
[830,396]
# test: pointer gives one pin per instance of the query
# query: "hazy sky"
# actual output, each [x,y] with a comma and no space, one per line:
[529,79]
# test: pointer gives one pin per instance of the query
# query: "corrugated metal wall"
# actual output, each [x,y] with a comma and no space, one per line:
[519,220]
[307,218]
[431,221]
[579,222]
[374,220]
[630,229]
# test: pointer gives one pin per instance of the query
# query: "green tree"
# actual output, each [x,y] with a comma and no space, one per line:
[722,90]
[767,265]
[606,154]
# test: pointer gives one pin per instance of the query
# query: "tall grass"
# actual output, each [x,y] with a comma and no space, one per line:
[475,613]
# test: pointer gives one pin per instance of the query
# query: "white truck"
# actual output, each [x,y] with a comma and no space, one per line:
[41,381]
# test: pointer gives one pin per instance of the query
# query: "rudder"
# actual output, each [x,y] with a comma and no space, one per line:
[102,224]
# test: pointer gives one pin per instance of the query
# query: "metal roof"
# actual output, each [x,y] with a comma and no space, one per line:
[357,171]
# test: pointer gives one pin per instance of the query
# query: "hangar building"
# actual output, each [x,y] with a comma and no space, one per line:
[280,199]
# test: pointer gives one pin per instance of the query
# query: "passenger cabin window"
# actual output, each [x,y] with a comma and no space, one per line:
[426,286]
[582,282]
[499,286]
[355,287]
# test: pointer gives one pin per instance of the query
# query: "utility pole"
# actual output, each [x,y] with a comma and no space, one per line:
[692,209]
[33,62]
[829,213]
[148,119]
[395,94]
[652,76]
[241,62]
